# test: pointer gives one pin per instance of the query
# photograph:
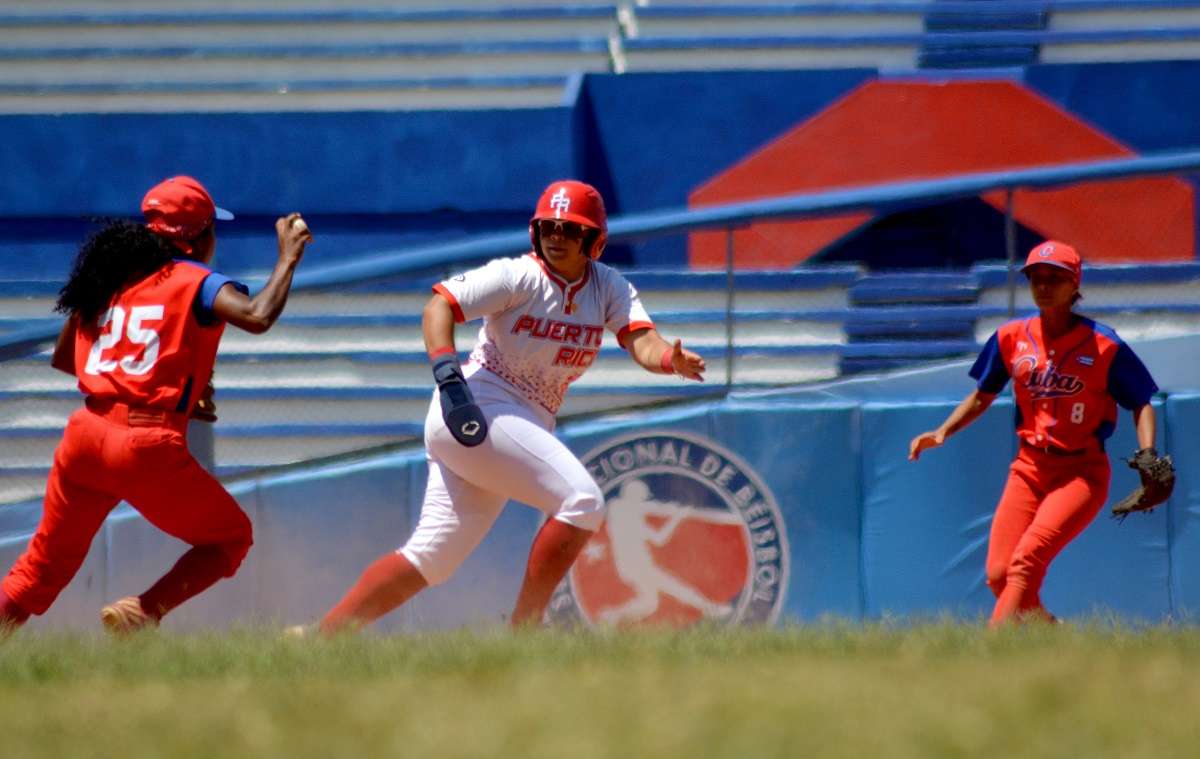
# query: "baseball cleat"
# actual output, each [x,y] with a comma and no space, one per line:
[299,632]
[126,616]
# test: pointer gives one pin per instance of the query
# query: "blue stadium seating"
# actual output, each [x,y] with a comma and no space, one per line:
[64,57]
[326,382]
[343,375]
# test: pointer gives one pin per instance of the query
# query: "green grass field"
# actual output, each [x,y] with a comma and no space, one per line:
[938,690]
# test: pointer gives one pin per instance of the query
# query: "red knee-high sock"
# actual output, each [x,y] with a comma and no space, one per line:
[196,571]
[11,613]
[553,552]
[1006,606]
[387,583]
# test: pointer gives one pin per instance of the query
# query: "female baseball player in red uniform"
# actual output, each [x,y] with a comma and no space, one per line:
[145,317]
[1069,374]
[489,433]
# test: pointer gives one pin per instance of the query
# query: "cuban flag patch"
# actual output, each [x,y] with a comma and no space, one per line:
[1085,360]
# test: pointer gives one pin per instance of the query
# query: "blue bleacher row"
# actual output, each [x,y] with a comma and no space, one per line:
[385,57]
[324,382]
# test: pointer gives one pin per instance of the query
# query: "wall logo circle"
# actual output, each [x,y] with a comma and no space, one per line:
[692,534]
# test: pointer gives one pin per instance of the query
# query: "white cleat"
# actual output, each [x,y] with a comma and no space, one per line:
[300,632]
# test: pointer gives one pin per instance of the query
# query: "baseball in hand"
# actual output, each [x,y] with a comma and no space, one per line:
[298,223]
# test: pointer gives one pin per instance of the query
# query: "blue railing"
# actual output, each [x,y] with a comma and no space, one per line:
[877,198]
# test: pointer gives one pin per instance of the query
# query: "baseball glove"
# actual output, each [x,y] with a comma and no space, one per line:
[205,409]
[1158,480]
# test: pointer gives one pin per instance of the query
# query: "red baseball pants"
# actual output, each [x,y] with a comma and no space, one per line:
[112,452]
[1049,499]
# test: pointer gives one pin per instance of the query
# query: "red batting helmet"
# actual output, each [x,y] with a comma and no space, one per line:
[569,200]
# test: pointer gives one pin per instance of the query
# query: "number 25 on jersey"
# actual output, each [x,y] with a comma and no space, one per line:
[135,331]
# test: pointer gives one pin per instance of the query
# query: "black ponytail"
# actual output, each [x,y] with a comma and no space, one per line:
[121,252]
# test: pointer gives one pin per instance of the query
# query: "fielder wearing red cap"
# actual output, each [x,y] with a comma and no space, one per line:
[489,434]
[1069,374]
[179,209]
[1058,255]
[145,316]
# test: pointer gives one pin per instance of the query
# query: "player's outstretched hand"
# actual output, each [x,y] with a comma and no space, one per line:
[293,234]
[924,442]
[687,364]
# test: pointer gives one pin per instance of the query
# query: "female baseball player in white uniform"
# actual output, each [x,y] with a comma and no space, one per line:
[489,433]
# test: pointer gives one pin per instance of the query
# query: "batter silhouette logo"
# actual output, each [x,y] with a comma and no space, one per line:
[692,534]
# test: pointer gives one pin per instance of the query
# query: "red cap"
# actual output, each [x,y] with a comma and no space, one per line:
[1057,254]
[180,209]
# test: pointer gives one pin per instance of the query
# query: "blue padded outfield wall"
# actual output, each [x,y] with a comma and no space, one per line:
[373,180]
[793,506]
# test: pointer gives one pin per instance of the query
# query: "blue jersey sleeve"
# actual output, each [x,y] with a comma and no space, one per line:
[1129,381]
[989,369]
[207,295]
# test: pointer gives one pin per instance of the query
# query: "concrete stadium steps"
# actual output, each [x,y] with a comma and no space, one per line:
[383,369]
[692,19]
[343,371]
[886,331]
[259,428]
[221,55]
[245,406]
[335,334]
[92,58]
[710,53]
[23,483]
[1131,323]
[879,356]
[1128,285]
[816,287]
[248,446]
[338,23]
[898,36]
[324,335]
[282,408]
[151,6]
[346,370]
[1118,16]
[234,63]
[909,287]
[968,52]
[917,323]
[409,93]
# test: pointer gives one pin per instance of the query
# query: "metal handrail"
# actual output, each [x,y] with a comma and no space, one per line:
[888,196]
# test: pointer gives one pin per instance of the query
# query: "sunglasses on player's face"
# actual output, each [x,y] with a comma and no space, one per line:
[568,229]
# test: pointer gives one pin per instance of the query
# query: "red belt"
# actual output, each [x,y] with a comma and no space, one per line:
[1054,450]
[136,416]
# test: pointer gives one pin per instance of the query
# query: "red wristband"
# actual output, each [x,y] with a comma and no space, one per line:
[665,361]
[440,351]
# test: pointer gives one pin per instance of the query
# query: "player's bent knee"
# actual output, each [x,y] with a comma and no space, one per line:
[585,509]
[236,548]
[435,568]
[235,554]
[997,581]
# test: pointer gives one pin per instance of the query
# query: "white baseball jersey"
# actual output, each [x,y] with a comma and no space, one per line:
[540,333]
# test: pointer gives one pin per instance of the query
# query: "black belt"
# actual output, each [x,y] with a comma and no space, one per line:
[1054,450]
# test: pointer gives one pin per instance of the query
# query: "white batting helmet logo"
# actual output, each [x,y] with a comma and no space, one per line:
[560,202]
